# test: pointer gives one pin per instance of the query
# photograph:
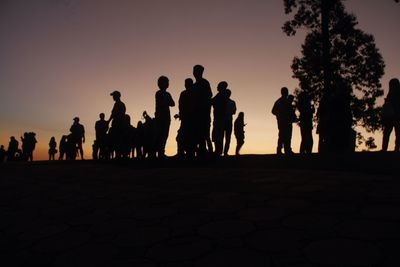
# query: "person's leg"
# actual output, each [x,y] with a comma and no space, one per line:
[228,134]
[239,144]
[387,129]
[288,138]
[397,132]
[280,138]
[80,148]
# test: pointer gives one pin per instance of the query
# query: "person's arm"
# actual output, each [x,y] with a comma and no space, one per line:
[274,109]
[83,134]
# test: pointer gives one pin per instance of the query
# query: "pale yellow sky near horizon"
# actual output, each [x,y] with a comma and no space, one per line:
[62,58]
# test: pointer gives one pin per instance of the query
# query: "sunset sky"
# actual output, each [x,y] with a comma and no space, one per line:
[63,58]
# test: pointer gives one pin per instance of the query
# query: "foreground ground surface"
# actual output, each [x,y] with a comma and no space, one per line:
[251,211]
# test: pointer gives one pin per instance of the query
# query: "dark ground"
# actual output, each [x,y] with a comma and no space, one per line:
[247,211]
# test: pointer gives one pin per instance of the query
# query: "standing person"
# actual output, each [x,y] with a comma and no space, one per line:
[149,136]
[391,115]
[219,102]
[230,110]
[28,145]
[25,146]
[282,112]
[162,115]
[63,147]
[239,132]
[12,148]
[52,148]
[185,105]
[101,128]
[77,136]
[306,110]
[203,95]
[3,154]
[117,126]
[292,119]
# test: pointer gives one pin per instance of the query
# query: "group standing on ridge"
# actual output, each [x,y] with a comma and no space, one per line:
[116,138]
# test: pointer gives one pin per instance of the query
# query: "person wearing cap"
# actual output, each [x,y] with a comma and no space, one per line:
[117,126]
[77,135]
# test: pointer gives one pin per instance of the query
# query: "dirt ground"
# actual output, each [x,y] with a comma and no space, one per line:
[246,211]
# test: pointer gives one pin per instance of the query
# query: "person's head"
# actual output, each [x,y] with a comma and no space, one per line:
[188,83]
[198,71]
[116,95]
[12,138]
[102,116]
[222,86]
[2,147]
[284,91]
[76,119]
[228,93]
[394,85]
[241,115]
[163,83]
[127,119]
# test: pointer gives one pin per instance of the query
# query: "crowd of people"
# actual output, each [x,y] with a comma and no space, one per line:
[117,138]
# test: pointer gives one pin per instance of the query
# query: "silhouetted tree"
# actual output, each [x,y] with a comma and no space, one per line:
[335,50]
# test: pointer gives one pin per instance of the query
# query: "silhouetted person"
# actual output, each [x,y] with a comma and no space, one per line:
[184,138]
[118,123]
[101,128]
[306,110]
[139,139]
[95,150]
[149,136]
[25,146]
[52,148]
[219,102]
[239,132]
[71,151]
[12,148]
[282,112]
[391,115]
[162,115]
[230,110]
[127,137]
[77,136]
[28,146]
[62,147]
[203,95]
[3,154]
[292,118]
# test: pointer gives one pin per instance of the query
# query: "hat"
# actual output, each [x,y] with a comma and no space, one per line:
[116,93]
[76,119]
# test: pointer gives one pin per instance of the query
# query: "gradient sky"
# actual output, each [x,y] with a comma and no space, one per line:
[62,58]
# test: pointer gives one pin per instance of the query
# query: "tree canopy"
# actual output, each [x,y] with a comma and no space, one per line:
[354,58]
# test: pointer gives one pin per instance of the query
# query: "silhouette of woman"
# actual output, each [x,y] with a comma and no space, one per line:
[391,115]
[52,148]
[239,132]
